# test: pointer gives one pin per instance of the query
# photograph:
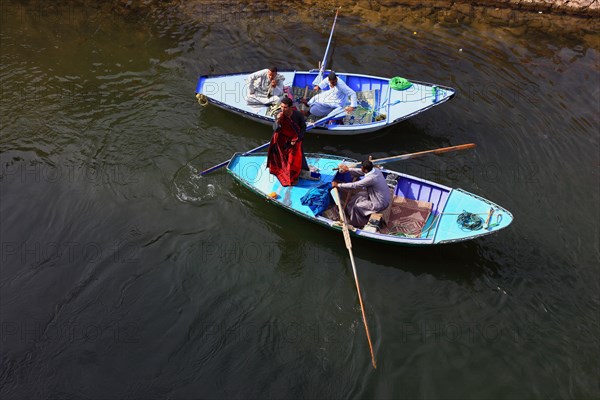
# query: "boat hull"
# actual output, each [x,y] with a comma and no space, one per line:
[441,226]
[380,106]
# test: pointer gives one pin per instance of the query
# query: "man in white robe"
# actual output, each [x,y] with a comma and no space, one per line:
[265,87]
[373,196]
[336,97]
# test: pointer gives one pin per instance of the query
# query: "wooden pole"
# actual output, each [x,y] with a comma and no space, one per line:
[402,157]
[322,64]
[346,232]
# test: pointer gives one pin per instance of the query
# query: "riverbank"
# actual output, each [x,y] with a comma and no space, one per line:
[572,21]
[414,17]
[580,8]
[575,7]
[589,8]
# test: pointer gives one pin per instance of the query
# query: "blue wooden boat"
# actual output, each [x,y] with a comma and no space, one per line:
[422,213]
[379,105]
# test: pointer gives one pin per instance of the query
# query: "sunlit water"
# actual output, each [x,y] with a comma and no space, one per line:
[126,275]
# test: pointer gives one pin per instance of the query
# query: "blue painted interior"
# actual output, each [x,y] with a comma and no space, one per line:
[418,190]
[461,201]
[304,79]
[358,83]
[251,169]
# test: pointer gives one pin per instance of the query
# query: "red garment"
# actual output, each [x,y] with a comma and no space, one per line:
[284,160]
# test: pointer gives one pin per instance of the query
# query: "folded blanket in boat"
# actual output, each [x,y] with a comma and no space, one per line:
[407,217]
[317,198]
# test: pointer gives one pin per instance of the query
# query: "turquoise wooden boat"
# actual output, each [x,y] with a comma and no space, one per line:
[454,215]
[379,105]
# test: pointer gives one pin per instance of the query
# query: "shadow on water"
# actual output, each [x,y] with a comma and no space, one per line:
[405,137]
[214,116]
[402,138]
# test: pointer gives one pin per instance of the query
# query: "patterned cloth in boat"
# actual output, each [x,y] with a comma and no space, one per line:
[363,114]
[407,217]
[273,110]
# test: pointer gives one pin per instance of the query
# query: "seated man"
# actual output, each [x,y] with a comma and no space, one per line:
[374,195]
[285,157]
[265,87]
[336,97]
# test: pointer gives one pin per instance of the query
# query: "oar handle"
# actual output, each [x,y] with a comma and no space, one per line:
[403,157]
[422,153]
[489,217]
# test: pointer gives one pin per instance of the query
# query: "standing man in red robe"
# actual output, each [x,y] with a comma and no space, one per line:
[285,158]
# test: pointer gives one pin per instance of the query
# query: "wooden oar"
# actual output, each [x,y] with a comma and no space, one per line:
[323,120]
[336,198]
[402,157]
[319,77]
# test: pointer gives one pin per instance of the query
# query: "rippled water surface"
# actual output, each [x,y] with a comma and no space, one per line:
[125,275]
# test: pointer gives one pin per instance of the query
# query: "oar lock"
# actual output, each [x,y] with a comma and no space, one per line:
[340,224]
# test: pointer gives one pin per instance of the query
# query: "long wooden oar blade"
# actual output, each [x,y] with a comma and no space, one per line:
[323,120]
[336,198]
[422,153]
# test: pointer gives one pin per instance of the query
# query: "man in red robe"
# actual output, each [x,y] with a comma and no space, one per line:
[285,158]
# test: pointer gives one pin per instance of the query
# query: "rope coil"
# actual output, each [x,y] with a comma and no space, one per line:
[469,221]
[202,99]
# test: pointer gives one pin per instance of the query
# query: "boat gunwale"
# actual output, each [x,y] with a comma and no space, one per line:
[373,236]
[295,71]
[333,130]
